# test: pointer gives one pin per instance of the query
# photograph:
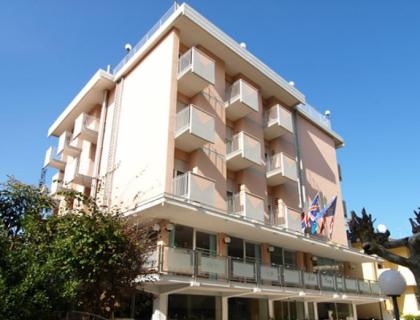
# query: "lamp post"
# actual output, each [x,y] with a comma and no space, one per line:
[392,284]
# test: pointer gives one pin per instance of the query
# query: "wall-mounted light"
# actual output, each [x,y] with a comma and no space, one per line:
[344,296]
[227,240]
[271,249]
[170,227]
[335,296]
[314,258]
[156,227]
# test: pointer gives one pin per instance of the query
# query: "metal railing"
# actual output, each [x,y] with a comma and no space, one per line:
[145,38]
[180,185]
[244,92]
[183,119]
[198,264]
[315,115]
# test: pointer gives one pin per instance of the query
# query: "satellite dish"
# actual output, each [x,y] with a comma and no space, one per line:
[243,45]
[292,83]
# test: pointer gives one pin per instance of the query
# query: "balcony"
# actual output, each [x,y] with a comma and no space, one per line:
[247,205]
[52,159]
[195,188]
[74,175]
[281,169]
[221,270]
[194,128]
[277,122]
[195,72]
[242,152]
[86,128]
[56,183]
[285,217]
[241,99]
[66,145]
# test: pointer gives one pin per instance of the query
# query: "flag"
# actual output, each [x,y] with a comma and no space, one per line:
[329,211]
[313,212]
[331,227]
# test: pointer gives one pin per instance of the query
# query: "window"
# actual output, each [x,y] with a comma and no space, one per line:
[206,242]
[236,248]
[181,237]
[289,258]
[253,252]
[277,256]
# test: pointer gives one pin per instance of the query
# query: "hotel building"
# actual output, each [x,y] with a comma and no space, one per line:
[193,132]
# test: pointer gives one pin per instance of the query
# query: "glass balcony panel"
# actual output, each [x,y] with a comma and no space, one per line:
[86,128]
[195,188]
[280,169]
[269,273]
[242,152]
[241,99]
[212,266]
[310,279]
[364,286]
[247,205]
[194,128]
[278,121]
[179,261]
[52,159]
[291,277]
[351,285]
[327,282]
[195,72]
[243,270]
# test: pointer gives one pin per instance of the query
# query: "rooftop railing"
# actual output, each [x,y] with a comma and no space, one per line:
[145,38]
[315,115]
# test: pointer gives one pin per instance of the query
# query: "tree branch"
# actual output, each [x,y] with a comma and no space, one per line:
[390,244]
[373,248]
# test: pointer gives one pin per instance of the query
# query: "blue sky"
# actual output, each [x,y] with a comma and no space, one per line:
[359,59]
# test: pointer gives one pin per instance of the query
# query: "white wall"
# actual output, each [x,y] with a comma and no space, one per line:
[142,139]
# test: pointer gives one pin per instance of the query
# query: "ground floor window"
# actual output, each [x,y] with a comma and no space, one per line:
[248,309]
[183,307]
[334,311]
[289,310]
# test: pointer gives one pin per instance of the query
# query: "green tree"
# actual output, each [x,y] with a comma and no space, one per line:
[85,258]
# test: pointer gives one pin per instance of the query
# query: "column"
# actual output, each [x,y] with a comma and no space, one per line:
[306,309]
[354,311]
[270,309]
[225,310]
[160,307]
[316,311]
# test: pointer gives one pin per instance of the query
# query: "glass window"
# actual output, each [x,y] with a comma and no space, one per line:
[344,311]
[182,237]
[191,307]
[206,242]
[236,248]
[277,256]
[290,258]
[253,252]
[326,311]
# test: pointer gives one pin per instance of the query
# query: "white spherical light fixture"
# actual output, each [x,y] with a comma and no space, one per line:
[392,283]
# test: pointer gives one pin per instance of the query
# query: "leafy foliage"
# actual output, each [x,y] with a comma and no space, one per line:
[83,258]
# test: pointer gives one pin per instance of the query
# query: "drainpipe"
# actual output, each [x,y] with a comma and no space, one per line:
[301,189]
[99,145]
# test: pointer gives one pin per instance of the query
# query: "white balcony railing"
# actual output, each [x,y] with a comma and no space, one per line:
[195,72]
[280,169]
[247,205]
[72,174]
[221,269]
[67,146]
[86,128]
[285,217]
[277,121]
[194,128]
[242,151]
[52,159]
[195,188]
[241,99]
